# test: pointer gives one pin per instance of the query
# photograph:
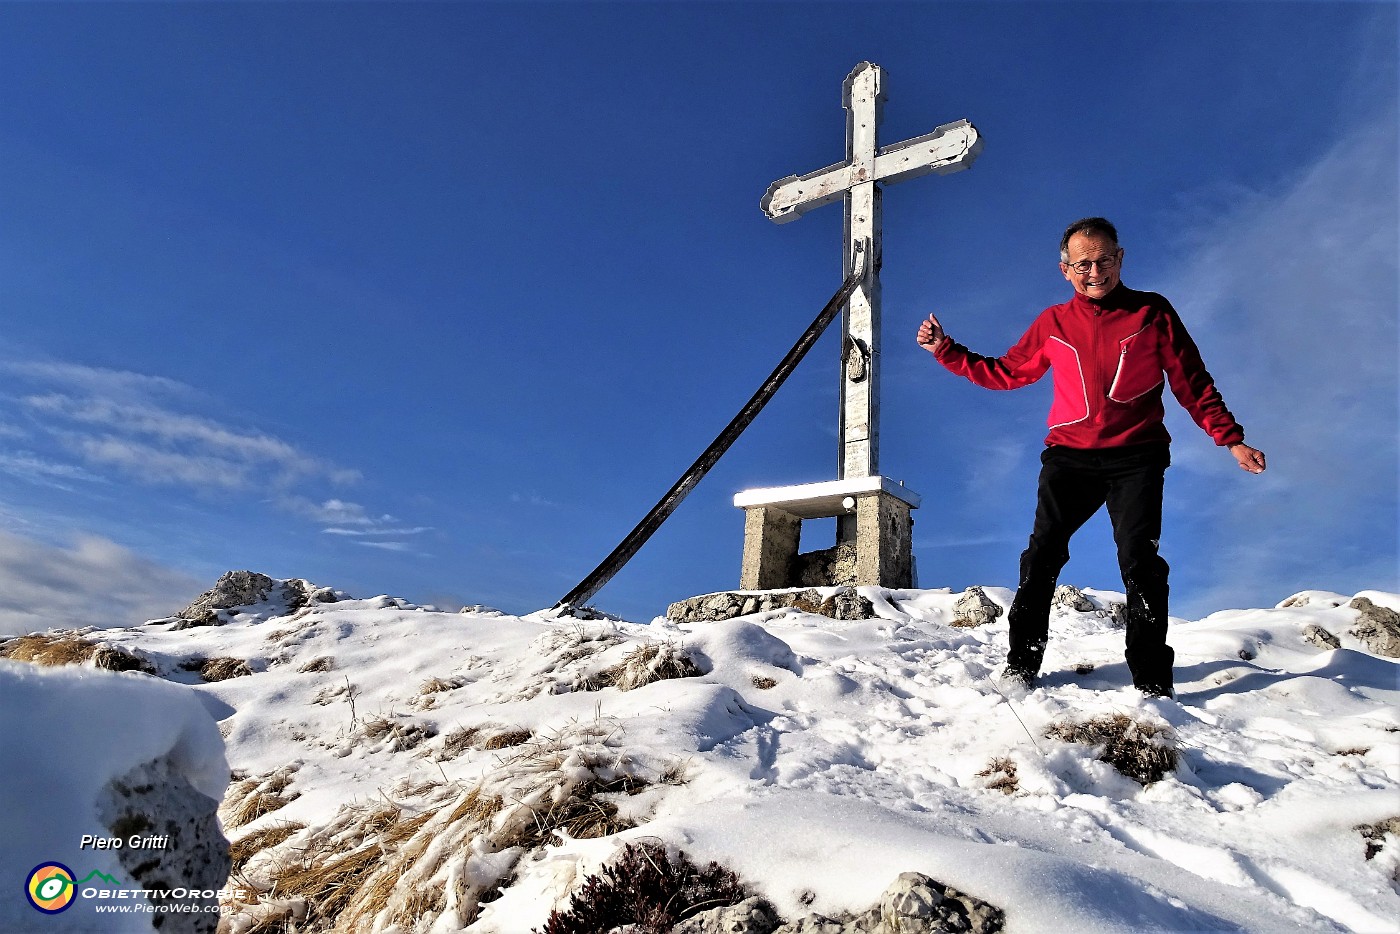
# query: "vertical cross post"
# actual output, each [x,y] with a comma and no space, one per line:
[863,97]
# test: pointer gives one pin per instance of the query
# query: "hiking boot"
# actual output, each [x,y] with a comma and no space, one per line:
[1016,681]
[1156,690]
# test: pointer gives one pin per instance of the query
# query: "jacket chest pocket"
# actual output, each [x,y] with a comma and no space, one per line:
[1139,369]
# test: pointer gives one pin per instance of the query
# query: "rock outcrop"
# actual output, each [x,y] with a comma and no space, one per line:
[237,589]
[913,904]
[845,603]
[1377,627]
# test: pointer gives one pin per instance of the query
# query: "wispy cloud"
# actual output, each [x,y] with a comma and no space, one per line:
[331,511]
[417,530]
[1293,297]
[386,546]
[115,422]
[352,521]
[35,469]
[92,582]
[98,381]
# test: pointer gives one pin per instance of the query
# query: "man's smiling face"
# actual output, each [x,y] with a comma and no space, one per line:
[1104,264]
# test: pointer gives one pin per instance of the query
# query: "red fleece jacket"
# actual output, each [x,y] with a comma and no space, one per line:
[1109,358]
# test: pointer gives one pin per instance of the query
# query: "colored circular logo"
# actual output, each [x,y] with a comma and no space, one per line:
[50,888]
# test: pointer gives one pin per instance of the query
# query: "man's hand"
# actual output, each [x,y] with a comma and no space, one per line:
[931,334]
[1248,458]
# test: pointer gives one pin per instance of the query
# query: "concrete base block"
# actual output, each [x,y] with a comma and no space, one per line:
[877,519]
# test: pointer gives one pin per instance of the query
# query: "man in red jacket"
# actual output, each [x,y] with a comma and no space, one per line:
[1110,348]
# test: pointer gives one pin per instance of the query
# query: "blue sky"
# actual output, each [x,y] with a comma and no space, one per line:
[437,299]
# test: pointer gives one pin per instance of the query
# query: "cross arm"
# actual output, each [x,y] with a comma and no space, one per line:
[950,148]
[789,198]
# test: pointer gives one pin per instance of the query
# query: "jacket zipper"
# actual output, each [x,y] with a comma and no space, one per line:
[1096,339]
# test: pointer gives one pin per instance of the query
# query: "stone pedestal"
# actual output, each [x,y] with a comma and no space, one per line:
[883,536]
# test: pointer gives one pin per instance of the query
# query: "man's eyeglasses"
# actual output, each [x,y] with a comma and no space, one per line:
[1084,266]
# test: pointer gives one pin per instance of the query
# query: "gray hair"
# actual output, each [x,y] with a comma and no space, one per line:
[1088,225]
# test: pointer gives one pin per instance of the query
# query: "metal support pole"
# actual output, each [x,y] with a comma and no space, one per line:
[629,546]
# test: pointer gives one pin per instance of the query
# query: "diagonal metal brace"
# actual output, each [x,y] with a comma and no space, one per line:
[630,545]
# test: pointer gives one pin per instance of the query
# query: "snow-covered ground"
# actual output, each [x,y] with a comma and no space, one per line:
[816,758]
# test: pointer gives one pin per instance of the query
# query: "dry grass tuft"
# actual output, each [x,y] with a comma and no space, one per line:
[64,649]
[324,663]
[507,739]
[245,848]
[221,669]
[1139,749]
[439,685]
[251,798]
[764,683]
[386,866]
[1001,775]
[254,806]
[646,664]
[395,736]
[458,742]
[477,805]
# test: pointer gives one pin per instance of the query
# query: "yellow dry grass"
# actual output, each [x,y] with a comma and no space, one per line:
[63,649]
[245,848]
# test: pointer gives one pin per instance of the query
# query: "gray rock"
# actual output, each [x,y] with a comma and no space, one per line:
[713,607]
[913,904]
[917,904]
[1377,627]
[1317,636]
[1072,598]
[234,589]
[182,848]
[751,916]
[974,608]
[827,567]
[819,924]
[847,604]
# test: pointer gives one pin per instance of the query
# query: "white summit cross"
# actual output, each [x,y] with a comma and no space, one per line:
[873,511]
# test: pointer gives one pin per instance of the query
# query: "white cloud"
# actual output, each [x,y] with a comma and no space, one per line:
[385,546]
[111,384]
[331,511]
[417,530]
[94,582]
[28,466]
[1294,299]
[184,437]
[119,422]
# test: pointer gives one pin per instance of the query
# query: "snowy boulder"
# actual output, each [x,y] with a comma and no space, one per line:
[751,916]
[237,589]
[1315,635]
[916,904]
[913,904]
[975,608]
[115,777]
[156,803]
[1377,626]
[1072,598]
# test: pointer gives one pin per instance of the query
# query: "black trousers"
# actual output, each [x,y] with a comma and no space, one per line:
[1073,485]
